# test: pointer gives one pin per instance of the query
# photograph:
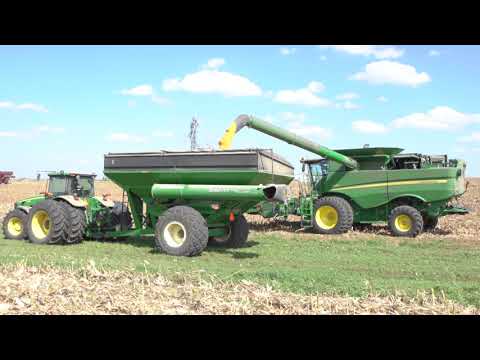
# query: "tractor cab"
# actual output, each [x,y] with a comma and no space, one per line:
[62,183]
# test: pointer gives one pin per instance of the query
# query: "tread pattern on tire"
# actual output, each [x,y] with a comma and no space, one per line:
[415,216]
[58,222]
[76,223]
[124,219]
[239,231]
[21,215]
[345,214]
[196,228]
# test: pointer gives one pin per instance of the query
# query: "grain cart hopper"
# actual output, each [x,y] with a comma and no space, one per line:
[188,198]
[364,186]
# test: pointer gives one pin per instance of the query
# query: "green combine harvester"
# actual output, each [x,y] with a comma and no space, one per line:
[364,186]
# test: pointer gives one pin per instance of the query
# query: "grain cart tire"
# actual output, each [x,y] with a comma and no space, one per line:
[237,235]
[121,216]
[76,221]
[15,225]
[405,221]
[47,223]
[332,215]
[181,231]
[429,223]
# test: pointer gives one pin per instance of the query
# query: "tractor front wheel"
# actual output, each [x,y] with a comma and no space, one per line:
[15,225]
[181,231]
[405,221]
[237,234]
[47,223]
[332,215]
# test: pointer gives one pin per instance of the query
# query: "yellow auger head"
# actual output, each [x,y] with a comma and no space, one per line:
[226,141]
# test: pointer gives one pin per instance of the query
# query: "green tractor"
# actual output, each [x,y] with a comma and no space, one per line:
[66,213]
[354,187]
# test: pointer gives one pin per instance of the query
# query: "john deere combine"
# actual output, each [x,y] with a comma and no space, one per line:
[363,186]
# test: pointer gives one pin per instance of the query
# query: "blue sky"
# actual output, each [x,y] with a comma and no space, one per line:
[63,107]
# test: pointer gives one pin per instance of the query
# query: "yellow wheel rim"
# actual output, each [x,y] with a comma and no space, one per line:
[326,217]
[403,223]
[41,224]
[15,226]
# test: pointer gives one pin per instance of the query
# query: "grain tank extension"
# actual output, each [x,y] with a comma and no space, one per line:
[367,185]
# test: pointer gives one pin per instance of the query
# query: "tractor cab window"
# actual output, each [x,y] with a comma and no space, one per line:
[57,185]
[86,187]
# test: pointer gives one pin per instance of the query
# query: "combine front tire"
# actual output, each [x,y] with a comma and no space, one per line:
[76,221]
[15,225]
[332,215]
[406,221]
[181,231]
[47,223]
[237,235]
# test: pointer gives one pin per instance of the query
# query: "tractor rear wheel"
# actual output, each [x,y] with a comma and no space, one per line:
[237,234]
[405,220]
[47,223]
[181,231]
[15,225]
[122,219]
[429,223]
[76,223]
[332,215]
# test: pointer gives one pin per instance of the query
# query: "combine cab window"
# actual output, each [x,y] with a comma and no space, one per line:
[57,185]
[318,170]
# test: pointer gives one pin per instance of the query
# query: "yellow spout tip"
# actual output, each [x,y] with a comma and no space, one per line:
[226,141]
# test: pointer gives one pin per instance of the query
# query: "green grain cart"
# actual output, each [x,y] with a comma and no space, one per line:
[363,186]
[184,199]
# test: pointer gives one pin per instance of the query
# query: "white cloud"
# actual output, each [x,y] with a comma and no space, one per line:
[125,137]
[439,118]
[8,134]
[306,96]
[159,99]
[369,127]
[140,90]
[347,96]
[25,106]
[433,53]
[213,82]
[382,99]
[348,105]
[391,72]
[49,129]
[287,51]
[473,137]
[379,52]
[214,63]
[295,122]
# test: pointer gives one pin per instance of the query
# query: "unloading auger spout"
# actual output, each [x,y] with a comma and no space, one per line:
[282,134]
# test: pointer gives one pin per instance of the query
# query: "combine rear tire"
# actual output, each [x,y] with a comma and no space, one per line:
[237,235]
[332,215]
[76,223]
[405,221]
[15,225]
[181,231]
[429,223]
[47,223]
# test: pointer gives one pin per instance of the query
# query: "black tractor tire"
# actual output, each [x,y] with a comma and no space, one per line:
[429,223]
[336,221]
[76,223]
[181,231]
[15,225]
[237,235]
[56,222]
[406,221]
[121,216]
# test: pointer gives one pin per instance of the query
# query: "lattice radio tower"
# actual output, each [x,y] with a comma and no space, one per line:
[193,134]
